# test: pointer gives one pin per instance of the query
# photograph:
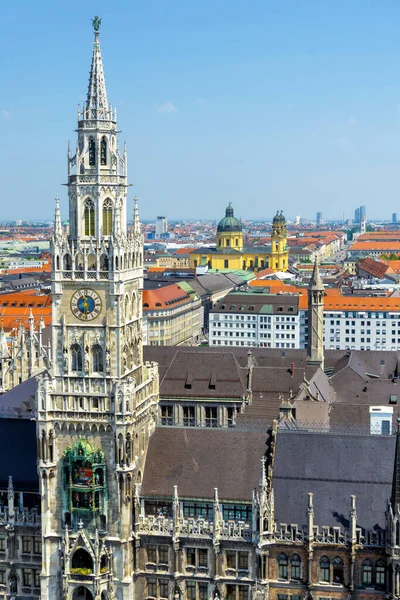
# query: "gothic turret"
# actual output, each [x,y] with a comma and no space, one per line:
[315,345]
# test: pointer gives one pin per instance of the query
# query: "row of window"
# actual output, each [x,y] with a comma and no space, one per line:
[189,416]
[254,344]
[30,577]
[158,589]
[200,510]
[29,544]
[332,571]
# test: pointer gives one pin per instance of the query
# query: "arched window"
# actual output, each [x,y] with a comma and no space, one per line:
[103,151]
[380,574]
[107,217]
[92,152]
[283,566]
[337,570]
[89,217]
[367,572]
[76,358]
[98,359]
[295,564]
[324,565]
[81,559]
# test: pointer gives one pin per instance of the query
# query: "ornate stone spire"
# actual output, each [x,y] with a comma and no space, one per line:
[97,103]
[57,219]
[315,345]
[316,281]
[136,221]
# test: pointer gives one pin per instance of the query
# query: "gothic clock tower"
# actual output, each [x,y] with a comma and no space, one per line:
[97,408]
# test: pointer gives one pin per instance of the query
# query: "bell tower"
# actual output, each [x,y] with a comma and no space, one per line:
[97,407]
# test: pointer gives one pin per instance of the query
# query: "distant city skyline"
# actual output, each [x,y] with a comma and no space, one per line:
[277,105]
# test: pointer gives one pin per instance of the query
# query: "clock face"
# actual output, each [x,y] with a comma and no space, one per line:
[86,304]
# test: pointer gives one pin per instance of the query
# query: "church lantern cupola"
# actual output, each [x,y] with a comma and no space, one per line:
[230,231]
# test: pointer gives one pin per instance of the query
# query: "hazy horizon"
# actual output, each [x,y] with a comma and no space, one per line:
[270,105]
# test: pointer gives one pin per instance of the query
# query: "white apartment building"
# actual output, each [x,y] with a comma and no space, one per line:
[276,321]
[255,319]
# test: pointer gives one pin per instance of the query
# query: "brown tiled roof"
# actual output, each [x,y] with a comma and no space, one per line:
[164,297]
[373,267]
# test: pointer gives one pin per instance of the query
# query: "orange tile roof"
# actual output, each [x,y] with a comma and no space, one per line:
[264,272]
[385,233]
[394,265]
[362,303]
[377,246]
[15,308]
[164,297]
[184,250]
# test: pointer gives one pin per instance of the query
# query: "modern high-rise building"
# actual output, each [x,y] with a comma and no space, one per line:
[320,219]
[394,217]
[161,227]
[360,214]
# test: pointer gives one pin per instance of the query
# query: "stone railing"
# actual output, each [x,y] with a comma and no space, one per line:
[328,535]
[25,516]
[194,527]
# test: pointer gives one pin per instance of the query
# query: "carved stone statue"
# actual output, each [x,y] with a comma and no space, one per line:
[65,359]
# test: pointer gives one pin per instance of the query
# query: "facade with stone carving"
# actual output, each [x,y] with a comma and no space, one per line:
[222,490]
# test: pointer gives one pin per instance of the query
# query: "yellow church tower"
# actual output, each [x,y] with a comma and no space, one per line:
[279,260]
[230,231]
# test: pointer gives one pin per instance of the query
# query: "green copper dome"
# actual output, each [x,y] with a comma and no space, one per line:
[278,218]
[229,222]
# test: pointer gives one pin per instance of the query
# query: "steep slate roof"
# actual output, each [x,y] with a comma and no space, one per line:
[261,303]
[18,454]
[199,460]
[333,467]
[214,376]
[20,400]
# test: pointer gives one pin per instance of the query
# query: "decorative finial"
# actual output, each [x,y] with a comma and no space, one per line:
[96,22]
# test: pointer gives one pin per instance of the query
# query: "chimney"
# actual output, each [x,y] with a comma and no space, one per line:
[292,369]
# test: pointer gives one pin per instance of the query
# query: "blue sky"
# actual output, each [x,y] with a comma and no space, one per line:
[289,104]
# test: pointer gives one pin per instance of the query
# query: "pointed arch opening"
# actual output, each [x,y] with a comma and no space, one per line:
[107,216]
[92,152]
[81,559]
[89,217]
[79,264]
[67,262]
[98,358]
[103,151]
[91,262]
[76,357]
[104,262]
[82,593]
